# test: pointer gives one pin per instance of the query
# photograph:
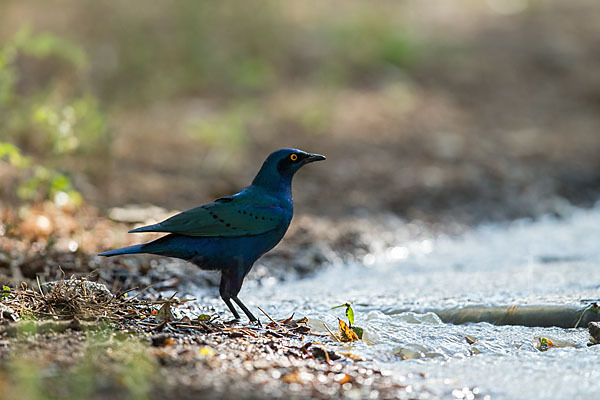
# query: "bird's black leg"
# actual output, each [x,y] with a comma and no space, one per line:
[250,316]
[231,283]
[224,291]
[227,301]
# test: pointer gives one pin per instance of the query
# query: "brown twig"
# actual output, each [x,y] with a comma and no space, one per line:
[140,292]
[331,333]
[268,316]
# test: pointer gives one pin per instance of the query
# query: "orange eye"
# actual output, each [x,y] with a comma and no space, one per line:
[294,157]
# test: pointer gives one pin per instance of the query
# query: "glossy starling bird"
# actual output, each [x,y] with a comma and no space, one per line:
[231,233]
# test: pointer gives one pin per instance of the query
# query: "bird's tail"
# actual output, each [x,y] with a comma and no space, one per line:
[136,249]
[170,245]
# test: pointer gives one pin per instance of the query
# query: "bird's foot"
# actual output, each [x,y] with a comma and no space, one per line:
[257,323]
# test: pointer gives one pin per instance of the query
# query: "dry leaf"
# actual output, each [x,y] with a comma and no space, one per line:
[347,335]
[287,320]
[164,313]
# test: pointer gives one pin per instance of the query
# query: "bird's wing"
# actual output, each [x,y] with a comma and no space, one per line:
[227,217]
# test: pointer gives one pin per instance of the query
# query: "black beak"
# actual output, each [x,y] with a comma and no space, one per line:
[313,158]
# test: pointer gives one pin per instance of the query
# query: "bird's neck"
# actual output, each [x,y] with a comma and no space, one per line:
[273,180]
[278,185]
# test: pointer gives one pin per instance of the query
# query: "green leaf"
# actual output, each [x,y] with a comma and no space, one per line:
[5,292]
[349,311]
[358,331]
[350,314]
[346,304]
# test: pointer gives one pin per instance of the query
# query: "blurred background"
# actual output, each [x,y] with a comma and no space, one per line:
[462,111]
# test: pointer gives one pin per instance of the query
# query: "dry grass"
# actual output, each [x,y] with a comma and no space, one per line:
[77,298]
[80,304]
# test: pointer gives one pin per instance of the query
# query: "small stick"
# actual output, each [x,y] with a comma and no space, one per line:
[268,316]
[147,324]
[83,289]
[142,291]
[126,291]
[37,278]
[170,301]
[196,327]
[590,307]
[331,333]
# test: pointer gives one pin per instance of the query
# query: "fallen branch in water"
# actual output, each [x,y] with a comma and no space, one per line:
[545,316]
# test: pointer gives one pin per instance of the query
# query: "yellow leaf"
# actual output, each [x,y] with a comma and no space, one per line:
[347,335]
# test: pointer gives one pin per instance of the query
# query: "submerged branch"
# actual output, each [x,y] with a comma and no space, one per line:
[545,316]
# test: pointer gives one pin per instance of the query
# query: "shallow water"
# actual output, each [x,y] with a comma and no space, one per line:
[548,261]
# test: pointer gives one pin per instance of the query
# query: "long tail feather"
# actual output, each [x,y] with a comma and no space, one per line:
[170,246]
[147,228]
[136,249]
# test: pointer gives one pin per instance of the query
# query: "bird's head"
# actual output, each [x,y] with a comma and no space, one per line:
[281,165]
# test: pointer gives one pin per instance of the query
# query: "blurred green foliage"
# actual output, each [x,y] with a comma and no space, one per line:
[49,113]
[232,49]
[41,182]
[258,66]
[75,127]
[137,52]
[13,154]
[46,183]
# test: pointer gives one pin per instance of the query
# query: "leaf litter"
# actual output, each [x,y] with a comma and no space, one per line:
[280,357]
